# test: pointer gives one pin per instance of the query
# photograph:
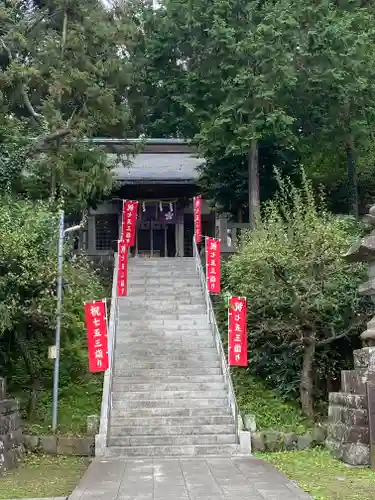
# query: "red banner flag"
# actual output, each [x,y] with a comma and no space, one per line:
[198,218]
[213,265]
[129,221]
[97,335]
[237,332]
[122,274]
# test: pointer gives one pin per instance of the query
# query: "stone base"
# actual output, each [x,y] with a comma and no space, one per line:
[348,432]
[100,445]
[354,381]
[245,442]
[343,433]
[347,399]
[352,417]
[350,453]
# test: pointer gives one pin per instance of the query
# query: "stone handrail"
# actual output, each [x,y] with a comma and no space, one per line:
[218,342]
[101,438]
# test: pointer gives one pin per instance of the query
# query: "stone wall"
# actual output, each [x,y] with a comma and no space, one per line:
[10,431]
[271,441]
[61,445]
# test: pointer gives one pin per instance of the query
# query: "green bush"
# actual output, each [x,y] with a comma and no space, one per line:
[28,274]
[302,294]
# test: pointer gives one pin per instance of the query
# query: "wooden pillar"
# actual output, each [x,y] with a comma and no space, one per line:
[91,238]
[176,232]
[181,239]
[165,241]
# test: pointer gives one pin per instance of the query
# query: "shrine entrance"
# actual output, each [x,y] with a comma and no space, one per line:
[158,229]
[156,239]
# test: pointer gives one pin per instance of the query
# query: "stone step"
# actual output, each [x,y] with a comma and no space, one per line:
[168,354]
[149,379]
[160,346]
[172,402]
[167,326]
[139,262]
[162,271]
[161,332]
[170,423]
[167,280]
[208,354]
[167,372]
[348,399]
[170,412]
[169,451]
[167,294]
[178,342]
[119,386]
[200,439]
[174,363]
[175,308]
[164,320]
[173,314]
[170,291]
[168,395]
[157,301]
[167,430]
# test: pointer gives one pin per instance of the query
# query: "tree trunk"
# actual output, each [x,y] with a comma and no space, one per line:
[64,32]
[352,179]
[53,183]
[307,384]
[253,173]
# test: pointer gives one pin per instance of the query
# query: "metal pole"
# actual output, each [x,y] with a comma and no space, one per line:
[58,322]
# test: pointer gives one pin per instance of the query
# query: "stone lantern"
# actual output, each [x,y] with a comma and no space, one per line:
[348,429]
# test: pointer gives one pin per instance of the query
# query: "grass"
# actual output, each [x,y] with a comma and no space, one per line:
[271,411]
[76,402]
[324,477]
[40,476]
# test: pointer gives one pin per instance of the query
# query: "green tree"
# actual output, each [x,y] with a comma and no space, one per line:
[302,295]
[64,79]
[28,241]
[285,81]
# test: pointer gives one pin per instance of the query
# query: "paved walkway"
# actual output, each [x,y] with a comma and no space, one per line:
[237,478]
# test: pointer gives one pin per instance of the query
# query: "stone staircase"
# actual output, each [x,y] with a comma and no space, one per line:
[168,394]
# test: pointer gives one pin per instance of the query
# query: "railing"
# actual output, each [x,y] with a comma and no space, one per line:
[217,339]
[101,439]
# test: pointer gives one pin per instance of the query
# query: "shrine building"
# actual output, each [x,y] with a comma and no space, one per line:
[163,179]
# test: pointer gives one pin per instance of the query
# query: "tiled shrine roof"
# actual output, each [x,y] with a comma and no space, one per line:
[161,161]
[160,168]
